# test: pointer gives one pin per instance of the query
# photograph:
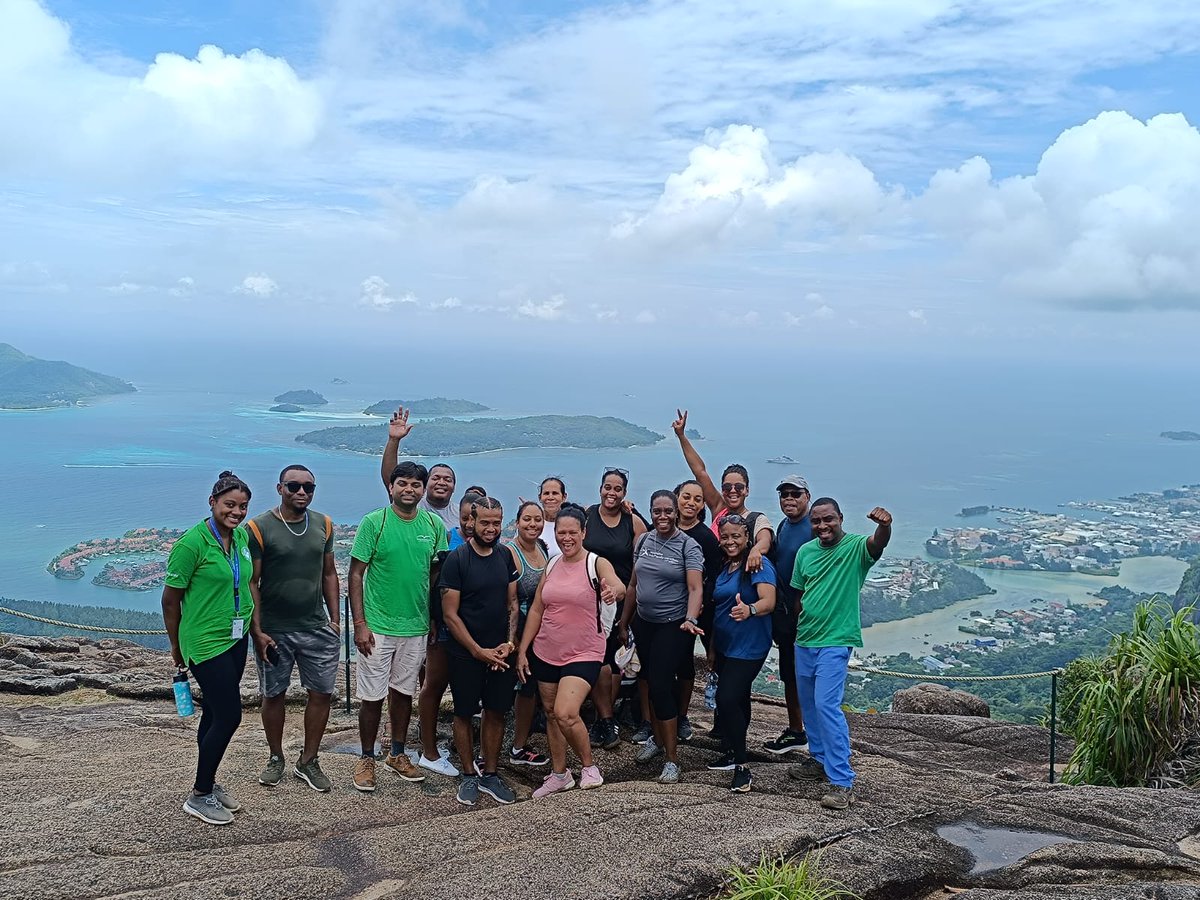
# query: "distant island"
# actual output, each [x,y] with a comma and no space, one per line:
[454,437]
[974,511]
[287,408]
[27,382]
[783,461]
[303,398]
[338,381]
[434,406]
[1181,435]
[694,434]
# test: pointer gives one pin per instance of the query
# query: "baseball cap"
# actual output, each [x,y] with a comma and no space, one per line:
[796,481]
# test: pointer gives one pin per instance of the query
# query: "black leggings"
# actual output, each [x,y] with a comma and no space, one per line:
[733,703]
[220,679]
[661,648]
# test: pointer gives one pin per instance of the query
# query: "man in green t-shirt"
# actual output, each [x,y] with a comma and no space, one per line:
[828,577]
[394,552]
[295,619]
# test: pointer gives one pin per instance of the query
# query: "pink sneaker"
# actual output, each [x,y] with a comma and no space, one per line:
[590,777]
[555,783]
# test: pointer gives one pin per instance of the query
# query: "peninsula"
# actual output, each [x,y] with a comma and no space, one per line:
[455,437]
[433,406]
[302,398]
[1181,435]
[27,382]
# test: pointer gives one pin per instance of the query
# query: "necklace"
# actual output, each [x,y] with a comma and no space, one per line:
[299,533]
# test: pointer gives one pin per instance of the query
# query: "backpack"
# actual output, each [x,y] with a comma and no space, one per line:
[606,613]
[262,544]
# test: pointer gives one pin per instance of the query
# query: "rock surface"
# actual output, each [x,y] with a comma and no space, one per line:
[936,699]
[95,783]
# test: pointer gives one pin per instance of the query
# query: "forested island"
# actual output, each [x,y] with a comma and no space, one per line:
[1181,435]
[27,382]
[455,437]
[431,406]
[302,398]
[286,408]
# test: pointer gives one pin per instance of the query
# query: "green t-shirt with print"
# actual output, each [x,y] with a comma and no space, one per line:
[831,579]
[199,567]
[397,553]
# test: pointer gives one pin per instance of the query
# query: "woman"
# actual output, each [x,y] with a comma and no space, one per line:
[530,556]
[611,531]
[563,646]
[742,627]
[663,602]
[552,494]
[207,607]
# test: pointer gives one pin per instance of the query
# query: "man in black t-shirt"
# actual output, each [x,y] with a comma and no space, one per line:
[479,606]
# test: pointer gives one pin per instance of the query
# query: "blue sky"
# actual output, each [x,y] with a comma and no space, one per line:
[929,176]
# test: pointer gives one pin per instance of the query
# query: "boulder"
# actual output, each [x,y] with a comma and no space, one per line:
[144,689]
[40,644]
[938,700]
[34,683]
[21,656]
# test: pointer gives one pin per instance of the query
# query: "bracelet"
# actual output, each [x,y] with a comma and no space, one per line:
[359,622]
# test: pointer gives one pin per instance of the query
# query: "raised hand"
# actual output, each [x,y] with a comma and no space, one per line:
[880,516]
[606,592]
[679,426]
[740,611]
[398,427]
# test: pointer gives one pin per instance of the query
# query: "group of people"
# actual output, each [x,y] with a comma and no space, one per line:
[554,614]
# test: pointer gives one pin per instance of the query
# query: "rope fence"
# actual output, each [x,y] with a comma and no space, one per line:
[75,625]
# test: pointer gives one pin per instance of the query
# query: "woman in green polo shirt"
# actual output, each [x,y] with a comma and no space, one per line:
[206,606]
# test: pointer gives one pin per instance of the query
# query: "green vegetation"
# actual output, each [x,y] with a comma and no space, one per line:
[775,878]
[27,382]
[434,406]
[1189,590]
[954,584]
[1181,435]
[1137,718]
[302,398]
[287,408]
[453,437]
[82,615]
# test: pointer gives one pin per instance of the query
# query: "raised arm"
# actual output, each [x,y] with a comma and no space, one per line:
[712,495]
[398,429]
[883,531]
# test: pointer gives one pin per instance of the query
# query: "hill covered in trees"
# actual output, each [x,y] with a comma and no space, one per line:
[27,382]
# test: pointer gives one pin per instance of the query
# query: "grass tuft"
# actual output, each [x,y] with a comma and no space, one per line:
[775,878]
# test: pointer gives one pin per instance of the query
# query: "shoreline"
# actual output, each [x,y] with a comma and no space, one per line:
[379,452]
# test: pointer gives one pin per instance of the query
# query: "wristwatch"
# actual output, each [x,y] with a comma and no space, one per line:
[692,620]
[753,610]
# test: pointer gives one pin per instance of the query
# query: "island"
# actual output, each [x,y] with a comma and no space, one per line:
[974,511]
[287,408]
[456,437]
[70,563]
[694,434]
[27,382]
[1181,435]
[302,398]
[784,461]
[901,588]
[338,381]
[433,406]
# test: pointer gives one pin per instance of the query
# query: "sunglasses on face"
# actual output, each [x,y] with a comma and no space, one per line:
[730,488]
[791,495]
[295,487]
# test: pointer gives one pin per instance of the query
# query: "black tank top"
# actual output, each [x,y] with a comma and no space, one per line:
[614,544]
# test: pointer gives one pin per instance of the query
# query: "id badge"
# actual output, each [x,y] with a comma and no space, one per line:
[239,628]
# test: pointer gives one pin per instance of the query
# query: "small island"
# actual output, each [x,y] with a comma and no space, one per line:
[456,437]
[974,511]
[433,406]
[302,398]
[1181,435]
[27,382]
[693,434]
[69,564]
[287,408]
[338,381]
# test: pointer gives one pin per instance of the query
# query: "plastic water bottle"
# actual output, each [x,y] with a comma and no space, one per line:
[710,691]
[183,694]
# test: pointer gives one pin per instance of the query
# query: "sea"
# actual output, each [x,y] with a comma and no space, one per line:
[922,438]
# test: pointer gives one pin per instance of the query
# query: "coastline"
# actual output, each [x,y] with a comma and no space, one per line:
[472,453]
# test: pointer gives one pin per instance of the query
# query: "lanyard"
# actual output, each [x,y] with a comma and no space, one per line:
[235,565]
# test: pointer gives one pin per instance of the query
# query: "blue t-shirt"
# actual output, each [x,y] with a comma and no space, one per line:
[789,538]
[455,538]
[750,639]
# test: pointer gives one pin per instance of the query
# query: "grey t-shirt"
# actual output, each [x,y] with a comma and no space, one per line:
[448,513]
[661,567]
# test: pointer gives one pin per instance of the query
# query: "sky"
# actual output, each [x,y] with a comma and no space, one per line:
[926,178]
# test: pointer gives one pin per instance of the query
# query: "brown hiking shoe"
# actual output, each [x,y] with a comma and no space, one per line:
[364,774]
[838,797]
[403,766]
[808,770]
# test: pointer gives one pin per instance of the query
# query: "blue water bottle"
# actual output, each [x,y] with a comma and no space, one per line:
[183,694]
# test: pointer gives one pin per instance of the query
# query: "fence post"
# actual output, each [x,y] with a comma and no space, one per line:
[1053,721]
[347,628]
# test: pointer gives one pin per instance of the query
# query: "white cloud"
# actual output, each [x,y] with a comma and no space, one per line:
[645,317]
[494,200]
[184,287]
[917,315]
[125,287]
[448,303]
[1109,219]
[605,314]
[375,294]
[548,310]
[257,286]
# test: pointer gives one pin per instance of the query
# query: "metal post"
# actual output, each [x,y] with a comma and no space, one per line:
[1053,721]
[347,628]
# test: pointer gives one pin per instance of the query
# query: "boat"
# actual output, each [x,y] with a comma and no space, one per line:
[784,461]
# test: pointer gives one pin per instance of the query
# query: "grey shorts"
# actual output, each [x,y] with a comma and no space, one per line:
[315,652]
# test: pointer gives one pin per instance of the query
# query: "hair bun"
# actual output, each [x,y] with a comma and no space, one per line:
[226,474]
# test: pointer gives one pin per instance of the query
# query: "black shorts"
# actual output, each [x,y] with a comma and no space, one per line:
[783,631]
[687,663]
[589,670]
[472,682]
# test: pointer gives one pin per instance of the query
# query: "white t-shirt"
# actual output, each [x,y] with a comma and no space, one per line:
[551,542]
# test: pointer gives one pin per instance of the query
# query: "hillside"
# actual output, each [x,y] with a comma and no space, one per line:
[27,382]
[432,406]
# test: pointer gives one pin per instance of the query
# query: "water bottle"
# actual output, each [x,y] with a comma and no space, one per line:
[710,691]
[183,694]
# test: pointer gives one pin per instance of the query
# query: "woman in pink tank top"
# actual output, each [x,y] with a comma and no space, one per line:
[563,644]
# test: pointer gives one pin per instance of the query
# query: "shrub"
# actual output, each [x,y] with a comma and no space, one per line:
[775,878]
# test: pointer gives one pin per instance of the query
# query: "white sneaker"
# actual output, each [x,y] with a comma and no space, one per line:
[441,765]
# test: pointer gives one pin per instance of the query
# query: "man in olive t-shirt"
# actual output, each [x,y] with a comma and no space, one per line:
[295,620]
[828,577]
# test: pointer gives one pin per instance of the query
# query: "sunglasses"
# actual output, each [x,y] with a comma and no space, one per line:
[730,488]
[734,519]
[295,487]
[615,471]
[791,495]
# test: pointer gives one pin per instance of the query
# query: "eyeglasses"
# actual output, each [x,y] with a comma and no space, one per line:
[295,487]
[615,471]
[730,487]
[792,495]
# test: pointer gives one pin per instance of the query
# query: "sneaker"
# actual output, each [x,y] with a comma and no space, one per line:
[643,734]
[685,729]
[590,777]
[670,774]
[403,766]
[468,790]
[787,742]
[364,774]
[493,785]
[596,733]
[441,765]
[311,773]
[742,779]
[723,763]
[838,797]
[610,735]
[555,783]
[648,752]
[273,773]
[207,809]
[810,770]
[524,756]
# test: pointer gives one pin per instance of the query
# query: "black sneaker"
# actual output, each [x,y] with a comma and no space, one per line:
[787,742]
[742,779]
[685,730]
[643,733]
[723,763]
[526,756]
[596,733]
[610,735]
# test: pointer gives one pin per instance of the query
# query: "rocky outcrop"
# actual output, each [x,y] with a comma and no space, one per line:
[936,699]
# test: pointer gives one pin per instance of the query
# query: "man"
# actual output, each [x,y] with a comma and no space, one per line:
[295,619]
[551,495]
[440,492]
[479,605]
[794,531]
[391,564]
[828,578]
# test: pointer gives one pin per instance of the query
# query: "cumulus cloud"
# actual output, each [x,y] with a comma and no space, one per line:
[257,286]
[375,293]
[732,181]
[548,310]
[493,200]
[1109,219]
[448,303]
[184,287]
